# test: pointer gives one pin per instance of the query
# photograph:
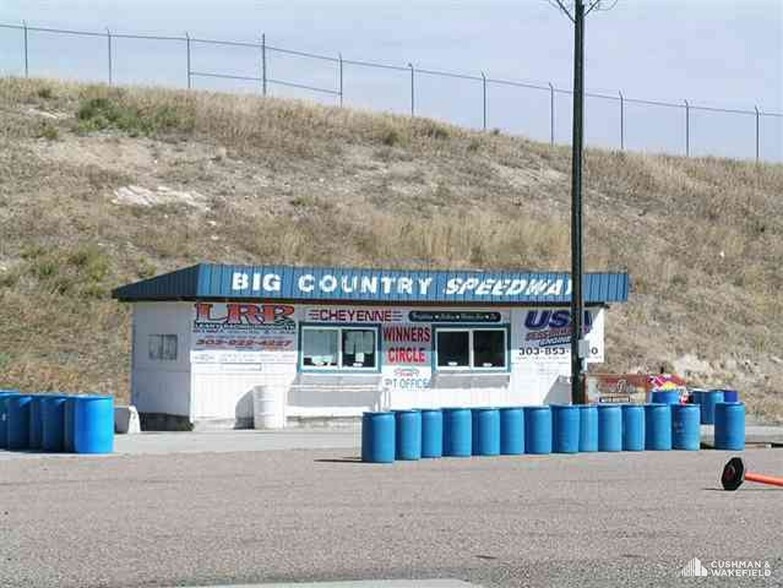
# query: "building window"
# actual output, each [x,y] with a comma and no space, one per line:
[163,347]
[319,348]
[471,349]
[489,349]
[454,349]
[339,348]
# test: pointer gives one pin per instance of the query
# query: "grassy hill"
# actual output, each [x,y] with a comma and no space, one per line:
[102,186]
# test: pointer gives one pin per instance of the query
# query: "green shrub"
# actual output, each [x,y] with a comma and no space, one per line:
[91,262]
[45,268]
[49,132]
[391,138]
[101,113]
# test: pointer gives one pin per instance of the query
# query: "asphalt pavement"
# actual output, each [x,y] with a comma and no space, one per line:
[311,515]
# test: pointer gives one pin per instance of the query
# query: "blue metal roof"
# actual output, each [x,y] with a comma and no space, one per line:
[213,281]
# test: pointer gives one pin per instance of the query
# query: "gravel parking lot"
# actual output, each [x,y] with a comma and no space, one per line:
[318,514]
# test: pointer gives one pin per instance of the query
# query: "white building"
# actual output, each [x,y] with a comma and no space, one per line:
[334,342]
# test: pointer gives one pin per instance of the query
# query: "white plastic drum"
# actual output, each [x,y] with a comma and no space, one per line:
[269,407]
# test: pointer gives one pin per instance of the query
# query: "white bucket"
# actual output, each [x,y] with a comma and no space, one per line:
[269,407]
[126,420]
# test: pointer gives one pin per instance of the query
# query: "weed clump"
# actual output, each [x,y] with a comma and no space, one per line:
[49,132]
[103,113]
[434,130]
[391,137]
[81,271]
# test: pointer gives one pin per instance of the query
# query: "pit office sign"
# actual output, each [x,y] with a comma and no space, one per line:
[407,356]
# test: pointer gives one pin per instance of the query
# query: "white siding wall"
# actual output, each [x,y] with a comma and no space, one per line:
[225,391]
[203,384]
[161,386]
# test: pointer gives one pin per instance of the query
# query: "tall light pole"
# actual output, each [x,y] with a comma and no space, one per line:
[579,347]
[577,297]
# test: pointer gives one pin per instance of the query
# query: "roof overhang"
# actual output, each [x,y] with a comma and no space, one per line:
[363,285]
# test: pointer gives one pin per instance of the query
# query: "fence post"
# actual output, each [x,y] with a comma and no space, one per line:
[340,68]
[484,92]
[687,129]
[758,134]
[551,113]
[413,109]
[108,44]
[187,49]
[26,54]
[622,120]
[263,64]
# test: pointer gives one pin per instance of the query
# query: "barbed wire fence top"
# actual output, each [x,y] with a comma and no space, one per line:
[540,111]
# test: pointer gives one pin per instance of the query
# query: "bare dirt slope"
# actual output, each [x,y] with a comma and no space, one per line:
[103,186]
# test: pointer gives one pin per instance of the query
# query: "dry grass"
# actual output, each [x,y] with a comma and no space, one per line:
[289,182]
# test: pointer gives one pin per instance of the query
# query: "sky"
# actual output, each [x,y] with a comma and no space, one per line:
[717,53]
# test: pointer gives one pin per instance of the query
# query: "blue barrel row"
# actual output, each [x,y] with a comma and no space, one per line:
[708,400]
[56,422]
[537,430]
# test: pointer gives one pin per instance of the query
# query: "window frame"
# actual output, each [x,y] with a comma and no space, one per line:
[162,338]
[340,328]
[471,367]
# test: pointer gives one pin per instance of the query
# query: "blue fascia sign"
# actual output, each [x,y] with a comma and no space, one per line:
[346,285]
[415,286]
[210,281]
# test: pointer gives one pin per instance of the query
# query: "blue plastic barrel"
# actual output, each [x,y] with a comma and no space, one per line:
[697,394]
[565,428]
[633,427]
[53,415]
[93,424]
[588,428]
[512,430]
[486,431]
[665,397]
[730,426]
[19,421]
[538,430]
[377,436]
[431,432]
[610,427]
[457,432]
[4,396]
[708,401]
[407,434]
[730,396]
[686,433]
[70,403]
[474,431]
[36,422]
[657,427]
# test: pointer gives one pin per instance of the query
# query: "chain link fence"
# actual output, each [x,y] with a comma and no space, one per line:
[540,111]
